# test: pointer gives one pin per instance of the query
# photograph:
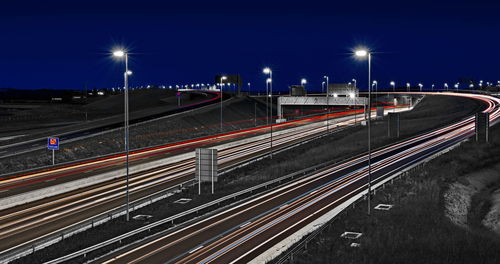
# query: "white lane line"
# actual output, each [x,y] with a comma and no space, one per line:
[49,180]
[4,190]
[195,249]
[245,224]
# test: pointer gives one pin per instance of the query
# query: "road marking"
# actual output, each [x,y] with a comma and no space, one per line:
[196,249]
[49,180]
[51,216]
[1,191]
[247,223]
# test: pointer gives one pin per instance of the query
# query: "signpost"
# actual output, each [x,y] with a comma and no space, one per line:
[53,144]
[206,167]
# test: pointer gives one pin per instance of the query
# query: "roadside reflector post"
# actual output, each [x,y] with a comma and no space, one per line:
[482,126]
[53,144]
[206,167]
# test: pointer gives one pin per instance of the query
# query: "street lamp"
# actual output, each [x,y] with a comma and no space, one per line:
[322,87]
[365,53]
[354,80]
[393,84]
[446,86]
[408,87]
[327,80]
[432,87]
[269,83]
[222,79]
[457,85]
[267,71]
[123,54]
[420,85]
[375,83]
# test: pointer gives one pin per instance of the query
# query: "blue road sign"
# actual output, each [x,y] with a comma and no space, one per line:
[53,143]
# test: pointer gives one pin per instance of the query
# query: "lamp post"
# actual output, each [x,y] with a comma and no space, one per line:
[375,83]
[269,82]
[446,86]
[322,87]
[432,87]
[366,53]
[457,85]
[421,86]
[408,87]
[327,80]
[222,78]
[268,71]
[355,82]
[126,73]
[393,84]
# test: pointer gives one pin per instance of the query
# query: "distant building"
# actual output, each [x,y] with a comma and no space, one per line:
[297,90]
[342,90]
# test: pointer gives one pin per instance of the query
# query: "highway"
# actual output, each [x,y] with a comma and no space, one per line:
[243,232]
[24,223]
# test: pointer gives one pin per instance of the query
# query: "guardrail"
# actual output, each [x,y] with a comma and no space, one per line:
[194,210]
[56,236]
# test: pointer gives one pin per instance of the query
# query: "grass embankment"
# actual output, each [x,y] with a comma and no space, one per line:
[417,229]
[332,148]
[238,114]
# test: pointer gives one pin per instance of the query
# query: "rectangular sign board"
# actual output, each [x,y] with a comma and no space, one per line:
[53,143]
[206,165]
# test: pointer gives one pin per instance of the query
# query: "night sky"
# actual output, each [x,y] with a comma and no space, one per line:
[66,44]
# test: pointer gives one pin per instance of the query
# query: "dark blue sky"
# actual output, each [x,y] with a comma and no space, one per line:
[65,44]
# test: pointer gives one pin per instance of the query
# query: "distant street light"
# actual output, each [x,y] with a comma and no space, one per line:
[126,73]
[393,84]
[365,53]
[322,87]
[375,83]
[408,86]
[269,82]
[421,86]
[446,86]
[457,85]
[222,79]
[354,80]
[432,87]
